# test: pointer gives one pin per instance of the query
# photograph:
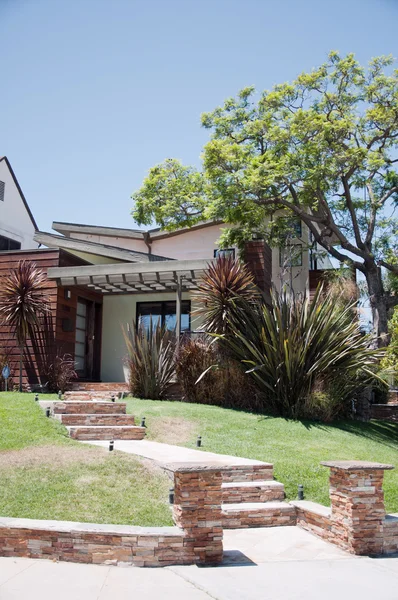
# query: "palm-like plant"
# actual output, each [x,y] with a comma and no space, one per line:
[22,302]
[297,343]
[225,289]
[150,359]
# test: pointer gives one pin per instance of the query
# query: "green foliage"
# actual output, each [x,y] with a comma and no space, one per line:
[150,359]
[223,292]
[389,364]
[289,349]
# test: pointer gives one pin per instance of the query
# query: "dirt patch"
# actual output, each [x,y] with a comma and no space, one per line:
[50,455]
[171,430]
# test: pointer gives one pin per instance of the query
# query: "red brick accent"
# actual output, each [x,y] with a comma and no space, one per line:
[96,419]
[110,432]
[89,407]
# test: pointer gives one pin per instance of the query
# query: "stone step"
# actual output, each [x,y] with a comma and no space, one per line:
[89,407]
[258,514]
[97,419]
[256,471]
[92,395]
[97,386]
[98,432]
[236,492]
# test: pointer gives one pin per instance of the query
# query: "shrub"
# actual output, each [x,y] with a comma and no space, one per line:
[6,360]
[59,373]
[207,376]
[150,359]
[389,364]
[292,347]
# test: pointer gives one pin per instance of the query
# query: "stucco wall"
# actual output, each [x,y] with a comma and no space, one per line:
[118,310]
[15,222]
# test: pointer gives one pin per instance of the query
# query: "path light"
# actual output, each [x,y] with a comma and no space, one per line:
[199,441]
[48,411]
[111,445]
[59,395]
[36,397]
[301,492]
[113,398]
[143,422]
[171,496]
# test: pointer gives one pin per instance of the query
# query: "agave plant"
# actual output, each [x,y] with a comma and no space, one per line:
[297,343]
[225,289]
[150,359]
[22,302]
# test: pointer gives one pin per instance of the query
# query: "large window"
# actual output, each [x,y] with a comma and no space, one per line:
[218,253]
[291,256]
[7,244]
[165,313]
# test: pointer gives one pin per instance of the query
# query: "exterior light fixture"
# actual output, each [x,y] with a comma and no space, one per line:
[199,441]
[48,411]
[300,492]
[36,397]
[171,496]
[143,422]
[113,398]
[111,446]
[59,395]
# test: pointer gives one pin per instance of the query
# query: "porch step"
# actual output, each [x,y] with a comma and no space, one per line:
[258,514]
[237,492]
[89,407]
[98,386]
[256,471]
[92,395]
[98,432]
[393,397]
[97,419]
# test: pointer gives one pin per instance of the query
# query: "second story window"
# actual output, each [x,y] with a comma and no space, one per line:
[219,253]
[2,189]
[8,244]
[291,255]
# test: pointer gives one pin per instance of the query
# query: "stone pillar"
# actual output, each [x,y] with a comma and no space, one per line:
[357,503]
[197,510]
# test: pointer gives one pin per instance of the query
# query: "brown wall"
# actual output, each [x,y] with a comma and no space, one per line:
[61,308]
[258,256]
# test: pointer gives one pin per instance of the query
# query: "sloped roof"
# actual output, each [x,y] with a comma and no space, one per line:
[20,191]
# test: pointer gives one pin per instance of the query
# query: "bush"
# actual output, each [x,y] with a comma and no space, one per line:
[207,376]
[389,364]
[150,359]
[59,373]
[6,360]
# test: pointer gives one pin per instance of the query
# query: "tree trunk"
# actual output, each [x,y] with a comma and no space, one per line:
[378,304]
[20,367]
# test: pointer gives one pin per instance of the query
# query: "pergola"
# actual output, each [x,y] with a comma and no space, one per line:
[135,278]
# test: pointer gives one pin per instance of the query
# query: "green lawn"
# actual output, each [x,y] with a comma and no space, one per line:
[295,448]
[46,475]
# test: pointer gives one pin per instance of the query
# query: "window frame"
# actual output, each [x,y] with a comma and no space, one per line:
[230,250]
[10,240]
[299,255]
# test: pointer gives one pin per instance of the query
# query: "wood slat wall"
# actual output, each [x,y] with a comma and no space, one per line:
[258,256]
[61,308]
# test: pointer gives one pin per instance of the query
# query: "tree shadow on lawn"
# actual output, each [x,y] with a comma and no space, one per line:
[382,432]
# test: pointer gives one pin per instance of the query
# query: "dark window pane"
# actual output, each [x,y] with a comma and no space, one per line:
[3,243]
[163,312]
[224,253]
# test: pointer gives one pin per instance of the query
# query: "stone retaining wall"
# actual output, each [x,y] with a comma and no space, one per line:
[390,530]
[385,412]
[314,517]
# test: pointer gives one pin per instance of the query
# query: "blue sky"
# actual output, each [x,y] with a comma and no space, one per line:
[94,93]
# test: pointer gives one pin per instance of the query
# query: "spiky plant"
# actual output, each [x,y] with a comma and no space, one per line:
[224,290]
[150,359]
[22,302]
[297,343]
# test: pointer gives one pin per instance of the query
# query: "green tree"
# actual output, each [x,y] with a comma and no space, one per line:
[321,149]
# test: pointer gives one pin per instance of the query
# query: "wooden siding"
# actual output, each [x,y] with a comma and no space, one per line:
[258,256]
[61,308]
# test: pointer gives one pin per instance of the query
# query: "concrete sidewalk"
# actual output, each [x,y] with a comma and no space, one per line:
[167,453]
[284,563]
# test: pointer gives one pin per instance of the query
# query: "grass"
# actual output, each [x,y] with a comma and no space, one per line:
[46,475]
[295,448]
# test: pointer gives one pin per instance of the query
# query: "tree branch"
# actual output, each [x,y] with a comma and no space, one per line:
[351,209]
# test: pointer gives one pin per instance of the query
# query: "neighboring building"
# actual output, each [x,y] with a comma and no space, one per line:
[103,278]
[17,225]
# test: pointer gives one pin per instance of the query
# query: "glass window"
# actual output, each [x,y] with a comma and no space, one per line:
[165,313]
[291,256]
[8,244]
[219,253]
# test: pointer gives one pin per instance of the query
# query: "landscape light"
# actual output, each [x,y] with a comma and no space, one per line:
[301,492]
[199,441]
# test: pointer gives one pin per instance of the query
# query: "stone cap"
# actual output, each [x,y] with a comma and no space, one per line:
[356,465]
[192,467]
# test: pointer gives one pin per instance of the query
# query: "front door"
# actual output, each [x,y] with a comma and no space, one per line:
[81,341]
[88,339]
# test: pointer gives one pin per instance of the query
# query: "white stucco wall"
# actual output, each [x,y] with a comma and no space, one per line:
[15,222]
[190,245]
[119,242]
[118,310]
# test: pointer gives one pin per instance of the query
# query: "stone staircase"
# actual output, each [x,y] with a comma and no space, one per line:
[89,419]
[252,498]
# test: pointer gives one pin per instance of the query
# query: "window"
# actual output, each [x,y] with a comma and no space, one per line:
[291,256]
[2,188]
[218,253]
[7,244]
[165,313]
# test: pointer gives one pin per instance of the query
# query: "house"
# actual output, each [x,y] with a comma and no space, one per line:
[102,278]
[17,225]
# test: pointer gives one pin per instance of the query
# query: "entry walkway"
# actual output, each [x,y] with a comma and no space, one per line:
[166,453]
[282,563]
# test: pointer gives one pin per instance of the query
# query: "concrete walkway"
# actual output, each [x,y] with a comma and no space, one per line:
[166,453]
[284,563]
